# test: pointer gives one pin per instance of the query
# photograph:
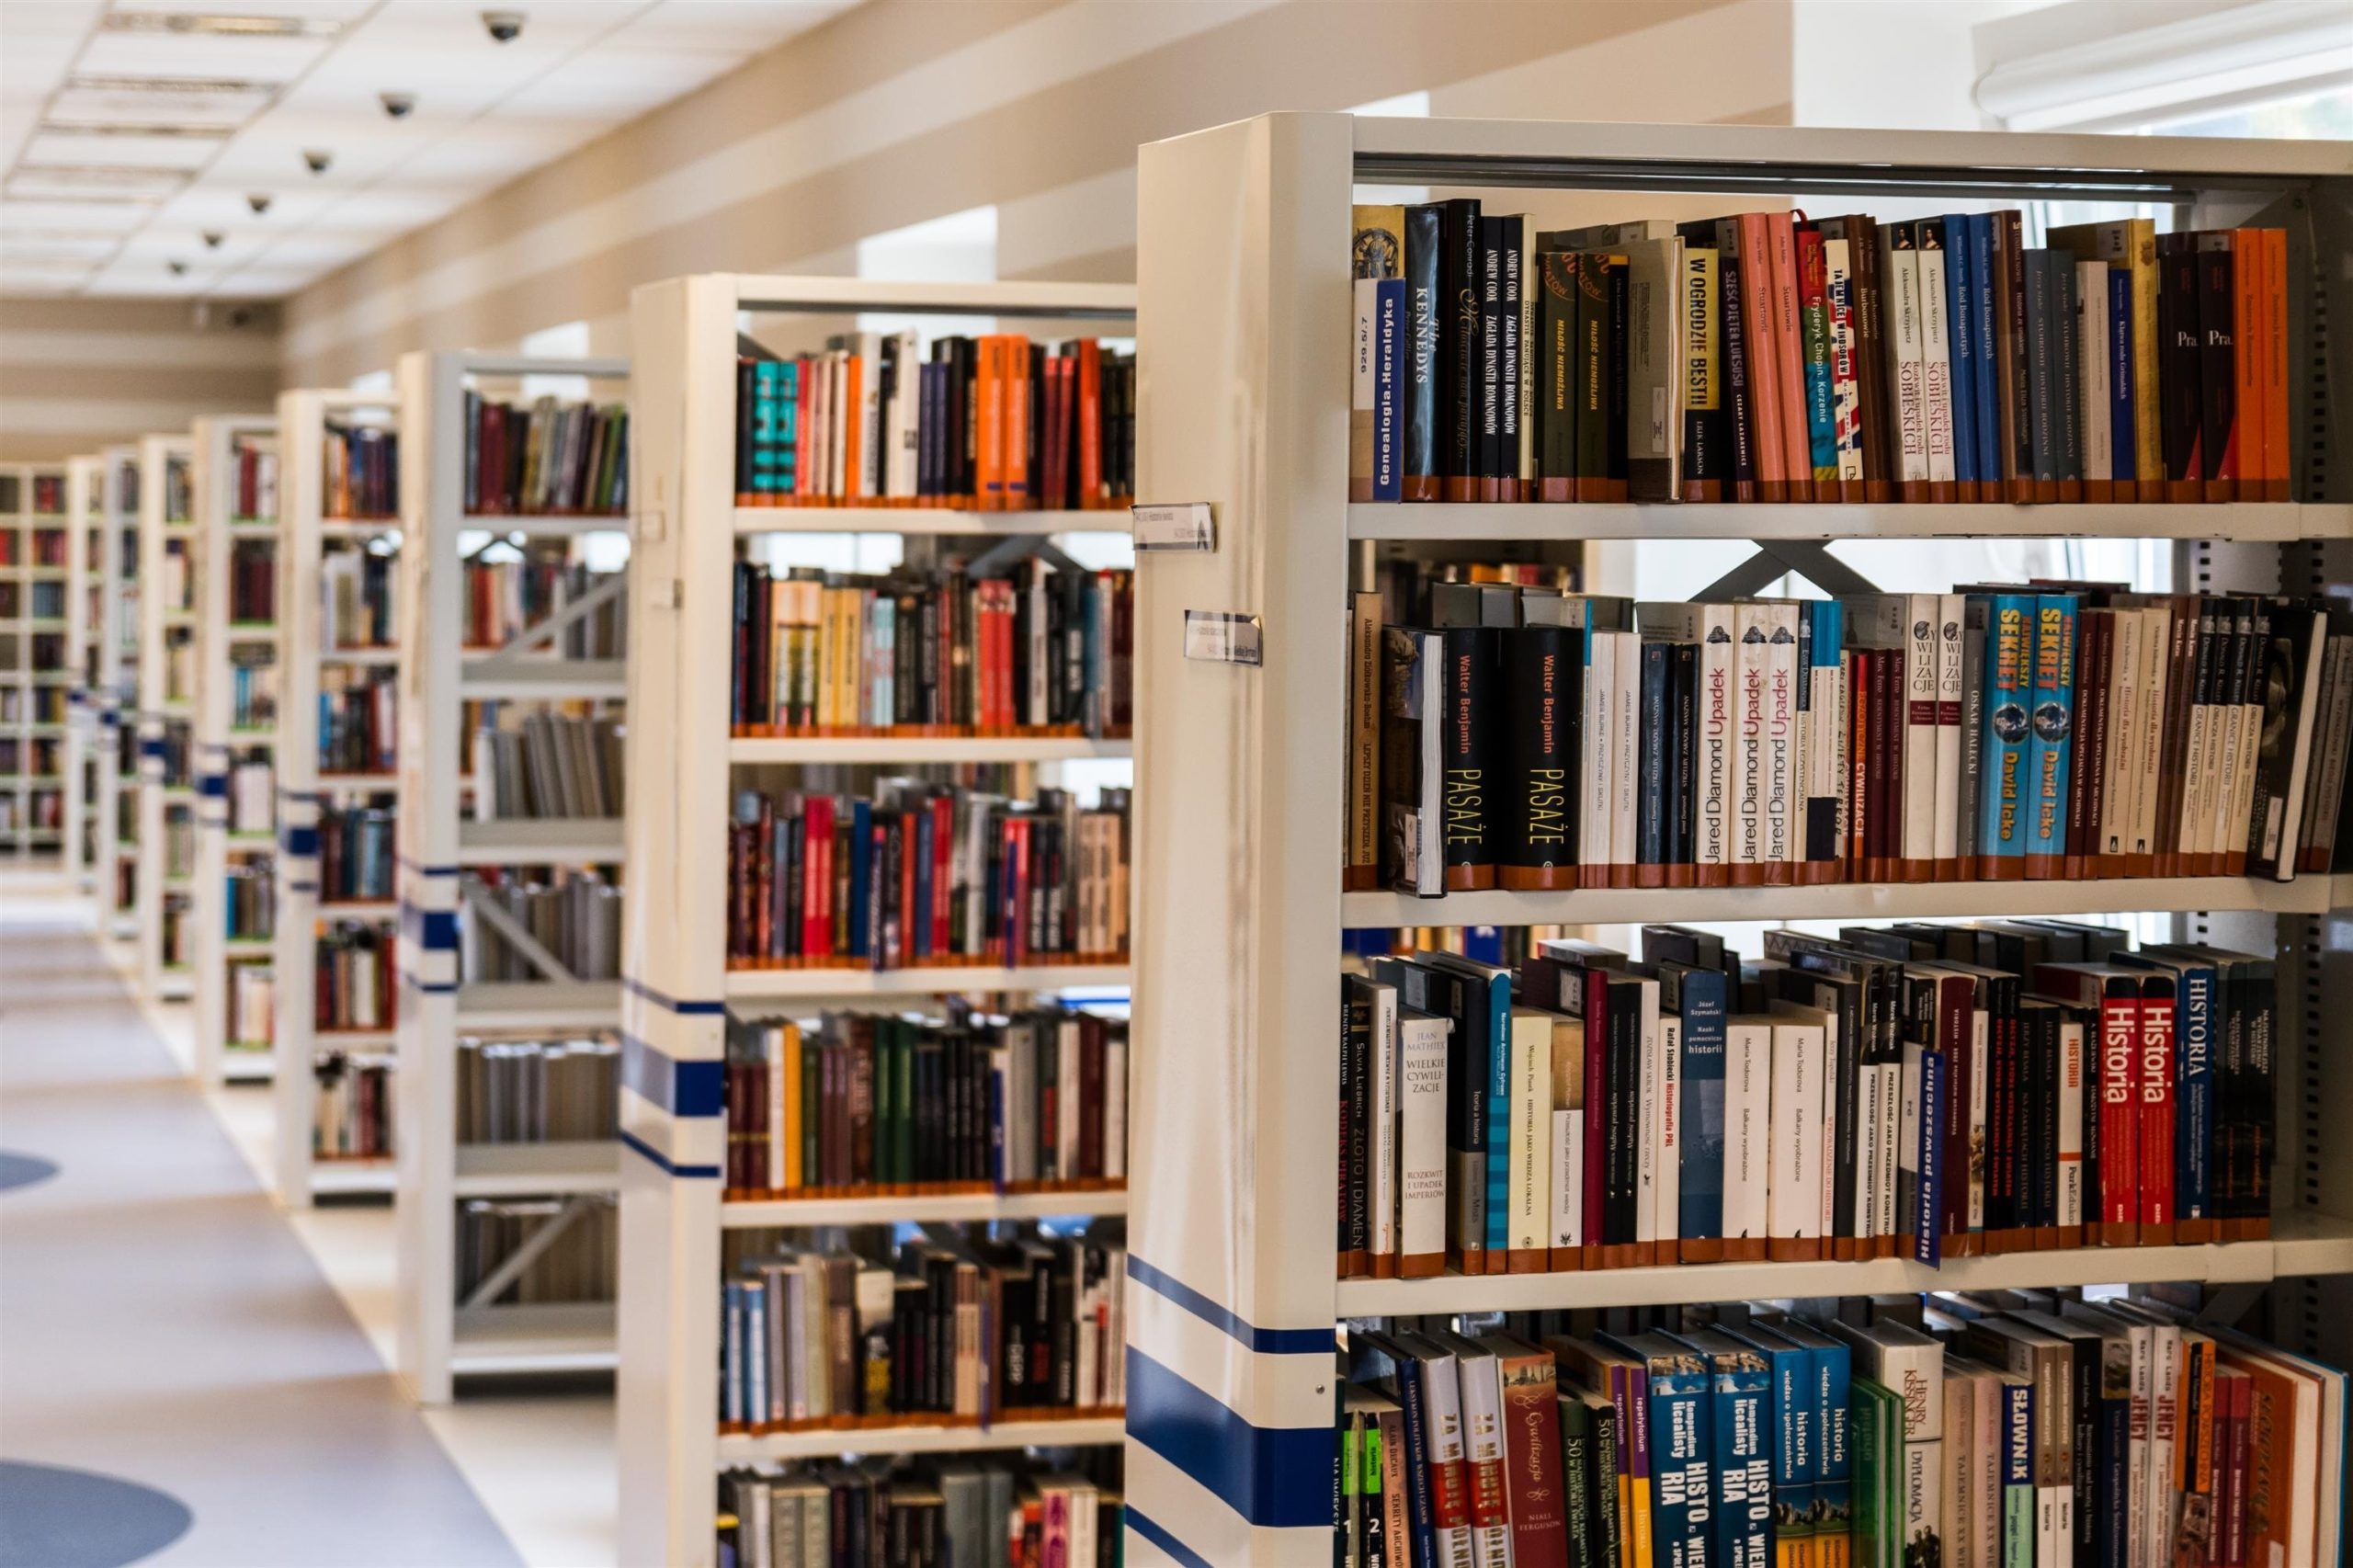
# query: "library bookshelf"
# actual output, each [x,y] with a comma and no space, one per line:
[1241,770]
[35,671]
[170,572]
[114,700]
[307,536]
[442,847]
[230,534]
[85,551]
[683,768]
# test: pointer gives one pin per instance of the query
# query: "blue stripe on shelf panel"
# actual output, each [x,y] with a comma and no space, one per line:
[671,1003]
[1161,1537]
[641,1146]
[1264,1341]
[300,840]
[303,887]
[1275,1477]
[423,870]
[436,929]
[682,1088]
[151,748]
[215,785]
[429,987]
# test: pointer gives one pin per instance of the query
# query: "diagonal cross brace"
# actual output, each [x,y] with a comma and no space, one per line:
[542,634]
[1809,559]
[1017,548]
[549,967]
[511,1269]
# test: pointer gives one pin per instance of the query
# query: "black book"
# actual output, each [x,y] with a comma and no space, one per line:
[1536,813]
[1556,379]
[1509,234]
[1653,768]
[1490,353]
[2181,355]
[1623,1120]
[1458,349]
[1423,247]
[2218,356]
[2066,428]
[1471,692]
[1619,363]
[2044,352]
[1683,754]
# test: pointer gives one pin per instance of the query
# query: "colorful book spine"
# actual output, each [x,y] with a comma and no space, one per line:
[1389,391]
[2050,733]
[2020,1523]
[1962,284]
[2009,694]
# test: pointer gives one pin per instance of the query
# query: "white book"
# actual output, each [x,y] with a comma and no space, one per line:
[1381,1172]
[774,1049]
[1922,651]
[1362,358]
[1950,609]
[1066,1105]
[2123,721]
[2233,827]
[1647,1113]
[1531,1152]
[1985,1479]
[2095,419]
[1478,1371]
[1752,632]
[1936,358]
[1980,1074]
[2197,772]
[1793,1208]
[1869,1082]
[2284,817]
[2156,669]
[1626,752]
[1599,732]
[1783,842]
[1666,1138]
[1115,1117]
[1900,285]
[2165,1411]
[1845,389]
[1421,1134]
[1957,1529]
[2141,1550]
[2071,1122]
[1891,1095]
[1748,1123]
[1910,1365]
[1568,1178]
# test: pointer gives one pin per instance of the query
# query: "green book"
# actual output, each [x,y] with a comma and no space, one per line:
[1576,1481]
[1878,1435]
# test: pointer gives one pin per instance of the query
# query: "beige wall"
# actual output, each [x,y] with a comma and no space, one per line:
[902,111]
[77,374]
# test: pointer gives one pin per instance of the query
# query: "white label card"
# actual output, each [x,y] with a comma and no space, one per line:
[1179,524]
[1222,638]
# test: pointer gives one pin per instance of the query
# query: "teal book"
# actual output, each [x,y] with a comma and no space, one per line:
[2050,735]
[2006,790]
[1877,1415]
[1794,1436]
[1678,1415]
[1741,1390]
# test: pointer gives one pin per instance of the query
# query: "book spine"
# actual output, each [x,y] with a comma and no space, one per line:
[1389,390]
[1815,333]
[1936,360]
[1706,452]
[1425,322]
[2050,743]
[1680,1455]
[1703,998]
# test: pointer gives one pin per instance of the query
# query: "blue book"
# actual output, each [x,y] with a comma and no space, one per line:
[1818,680]
[1740,1410]
[2051,734]
[1926,1066]
[1487,1036]
[731,1402]
[1651,775]
[861,856]
[2005,793]
[1986,311]
[918,921]
[2196,1023]
[1678,1415]
[1962,287]
[1389,390]
[2122,411]
[1795,1436]
[1834,1509]
[1700,997]
[1407,1384]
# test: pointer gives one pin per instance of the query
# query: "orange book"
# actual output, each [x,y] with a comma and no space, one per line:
[1090,424]
[1016,422]
[1759,333]
[988,427]
[1788,354]
[853,417]
[2280,467]
[2250,327]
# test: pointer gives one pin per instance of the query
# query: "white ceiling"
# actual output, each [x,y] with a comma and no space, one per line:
[131,129]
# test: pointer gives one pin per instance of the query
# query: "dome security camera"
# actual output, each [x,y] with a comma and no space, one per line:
[316,159]
[503,27]
[212,238]
[397,105]
[179,268]
[258,202]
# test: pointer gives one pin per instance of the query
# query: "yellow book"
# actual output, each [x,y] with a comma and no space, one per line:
[787,1064]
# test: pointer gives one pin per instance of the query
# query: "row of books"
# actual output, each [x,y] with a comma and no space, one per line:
[177,937]
[37,756]
[868,1105]
[251,793]
[925,874]
[502,599]
[550,458]
[575,915]
[966,1331]
[995,423]
[1043,650]
[47,600]
[356,599]
[358,719]
[252,577]
[253,689]
[361,479]
[179,663]
[548,766]
[2000,1429]
[355,853]
[1771,357]
[1909,1091]
[1533,740]
[250,1000]
[249,901]
[991,1511]
[537,1091]
[354,982]
[352,1109]
[47,497]
[253,489]
[582,1264]
[178,585]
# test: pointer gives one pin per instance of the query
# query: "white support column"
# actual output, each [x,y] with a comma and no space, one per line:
[163,797]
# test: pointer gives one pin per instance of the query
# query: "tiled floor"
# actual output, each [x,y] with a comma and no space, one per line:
[163,1321]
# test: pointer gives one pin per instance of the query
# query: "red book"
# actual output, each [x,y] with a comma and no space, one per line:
[943,861]
[1789,355]
[2117,994]
[1760,331]
[2156,1085]
[1532,1482]
[1090,422]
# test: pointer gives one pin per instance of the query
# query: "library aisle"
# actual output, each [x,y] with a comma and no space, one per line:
[192,1361]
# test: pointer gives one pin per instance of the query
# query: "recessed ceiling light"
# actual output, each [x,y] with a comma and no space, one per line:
[317,159]
[92,182]
[212,238]
[179,267]
[191,133]
[170,86]
[218,24]
[259,201]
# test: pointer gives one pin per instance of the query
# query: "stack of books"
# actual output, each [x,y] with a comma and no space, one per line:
[994,1511]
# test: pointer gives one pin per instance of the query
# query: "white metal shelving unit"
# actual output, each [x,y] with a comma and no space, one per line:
[221,528]
[442,1336]
[115,700]
[1242,770]
[681,762]
[166,637]
[304,535]
[84,622]
[34,688]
